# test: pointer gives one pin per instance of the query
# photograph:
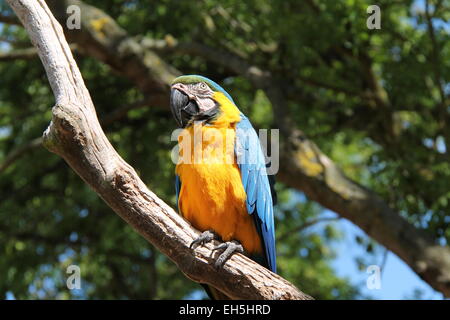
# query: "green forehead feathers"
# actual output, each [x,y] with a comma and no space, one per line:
[187,79]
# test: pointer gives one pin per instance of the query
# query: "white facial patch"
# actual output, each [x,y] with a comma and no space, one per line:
[205,104]
[203,96]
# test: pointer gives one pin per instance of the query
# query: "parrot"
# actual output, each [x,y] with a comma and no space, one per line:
[226,193]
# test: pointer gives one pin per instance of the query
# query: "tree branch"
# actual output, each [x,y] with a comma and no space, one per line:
[75,134]
[304,226]
[25,54]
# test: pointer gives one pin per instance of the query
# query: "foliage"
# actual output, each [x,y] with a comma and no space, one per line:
[394,143]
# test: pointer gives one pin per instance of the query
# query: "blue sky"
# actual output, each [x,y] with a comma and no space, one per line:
[419,6]
[398,281]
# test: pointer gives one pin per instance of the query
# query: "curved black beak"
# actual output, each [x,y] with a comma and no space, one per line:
[183,109]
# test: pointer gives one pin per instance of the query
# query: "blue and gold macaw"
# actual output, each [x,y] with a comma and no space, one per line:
[228,200]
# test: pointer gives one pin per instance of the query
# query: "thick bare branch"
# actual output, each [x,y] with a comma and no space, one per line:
[76,135]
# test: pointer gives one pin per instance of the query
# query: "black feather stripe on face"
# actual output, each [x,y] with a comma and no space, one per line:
[209,115]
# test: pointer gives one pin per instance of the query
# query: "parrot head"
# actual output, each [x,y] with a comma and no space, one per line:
[192,98]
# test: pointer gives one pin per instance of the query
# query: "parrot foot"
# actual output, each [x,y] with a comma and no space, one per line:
[230,248]
[205,237]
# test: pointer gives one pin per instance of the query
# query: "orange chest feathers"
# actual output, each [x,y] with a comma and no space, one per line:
[212,196]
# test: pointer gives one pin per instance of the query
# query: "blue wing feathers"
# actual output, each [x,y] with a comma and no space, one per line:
[177,189]
[256,183]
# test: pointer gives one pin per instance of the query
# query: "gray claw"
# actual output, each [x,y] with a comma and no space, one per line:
[206,236]
[230,248]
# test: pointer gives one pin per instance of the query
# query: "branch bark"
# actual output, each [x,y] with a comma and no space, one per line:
[75,134]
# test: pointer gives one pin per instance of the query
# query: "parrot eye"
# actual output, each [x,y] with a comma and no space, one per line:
[203,86]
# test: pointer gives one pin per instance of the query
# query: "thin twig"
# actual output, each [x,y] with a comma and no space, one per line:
[304,226]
